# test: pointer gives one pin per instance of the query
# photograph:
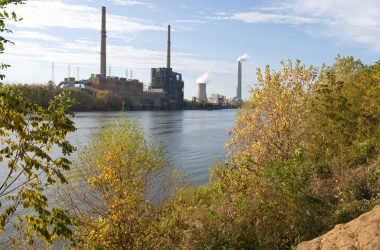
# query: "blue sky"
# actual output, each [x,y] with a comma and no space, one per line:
[208,35]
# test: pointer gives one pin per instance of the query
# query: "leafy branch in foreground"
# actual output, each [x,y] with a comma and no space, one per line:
[6,16]
[28,134]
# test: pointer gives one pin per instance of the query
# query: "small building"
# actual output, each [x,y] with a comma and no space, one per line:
[217,99]
[120,86]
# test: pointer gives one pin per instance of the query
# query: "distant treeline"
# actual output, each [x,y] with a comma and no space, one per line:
[209,106]
[104,100]
[84,101]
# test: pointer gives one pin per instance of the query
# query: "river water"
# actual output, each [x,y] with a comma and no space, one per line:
[193,139]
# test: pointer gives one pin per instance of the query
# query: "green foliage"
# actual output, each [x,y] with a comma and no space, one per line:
[346,107]
[205,218]
[345,140]
[272,129]
[6,16]
[304,159]
[304,156]
[28,132]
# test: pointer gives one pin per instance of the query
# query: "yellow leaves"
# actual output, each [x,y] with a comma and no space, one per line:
[119,166]
[271,129]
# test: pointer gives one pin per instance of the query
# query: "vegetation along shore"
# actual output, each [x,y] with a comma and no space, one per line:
[303,156]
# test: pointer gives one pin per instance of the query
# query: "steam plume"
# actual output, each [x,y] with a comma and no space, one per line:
[243,58]
[205,78]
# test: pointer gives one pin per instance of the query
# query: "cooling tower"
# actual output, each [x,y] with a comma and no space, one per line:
[103,44]
[238,89]
[201,95]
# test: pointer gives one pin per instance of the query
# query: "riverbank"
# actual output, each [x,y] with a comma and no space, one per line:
[42,94]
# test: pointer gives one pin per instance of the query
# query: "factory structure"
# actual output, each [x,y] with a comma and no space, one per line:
[217,99]
[167,81]
[201,94]
[165,91]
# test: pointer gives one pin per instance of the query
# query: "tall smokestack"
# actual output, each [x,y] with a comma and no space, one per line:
[103,44]
[168,49]
[238,89]
[240,61]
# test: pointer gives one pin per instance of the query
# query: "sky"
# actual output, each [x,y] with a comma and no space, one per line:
[207,36]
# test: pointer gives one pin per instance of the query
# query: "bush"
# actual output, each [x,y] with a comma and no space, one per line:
[108,198]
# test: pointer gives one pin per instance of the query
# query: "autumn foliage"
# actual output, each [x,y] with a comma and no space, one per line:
[271,127]
[303,156]
[108,194]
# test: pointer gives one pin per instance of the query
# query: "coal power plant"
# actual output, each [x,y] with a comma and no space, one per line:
[165,91]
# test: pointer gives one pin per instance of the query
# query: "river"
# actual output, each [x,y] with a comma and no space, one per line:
[193,139]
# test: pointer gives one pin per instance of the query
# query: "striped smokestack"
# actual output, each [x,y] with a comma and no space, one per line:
[103,44]
[168,49]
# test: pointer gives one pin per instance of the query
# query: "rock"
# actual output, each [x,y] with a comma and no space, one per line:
[361,233]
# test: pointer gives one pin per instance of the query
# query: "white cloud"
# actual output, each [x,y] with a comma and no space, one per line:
[259,17]
[191,21]
[35,43]
[132,2]
[348,21]
[56,13]
[86,52]
[34,35]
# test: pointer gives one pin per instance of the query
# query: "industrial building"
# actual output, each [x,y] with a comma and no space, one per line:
[169,81]
[165,91]
[217,99]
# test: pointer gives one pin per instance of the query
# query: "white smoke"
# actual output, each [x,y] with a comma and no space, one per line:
[205,78]
[243,58]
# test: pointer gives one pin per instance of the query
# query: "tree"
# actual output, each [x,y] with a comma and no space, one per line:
[344,146]
[305,151]
[270,128]
[346,106]
[109,195]
[28,133]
